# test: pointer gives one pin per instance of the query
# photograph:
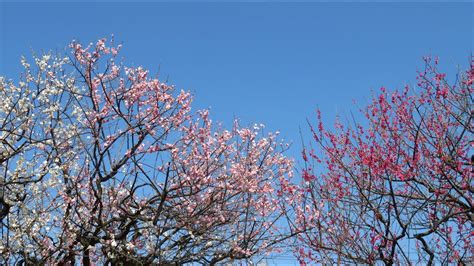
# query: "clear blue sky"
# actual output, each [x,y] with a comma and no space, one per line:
[272,63]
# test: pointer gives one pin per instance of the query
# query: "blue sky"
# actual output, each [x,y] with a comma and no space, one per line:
[270,63]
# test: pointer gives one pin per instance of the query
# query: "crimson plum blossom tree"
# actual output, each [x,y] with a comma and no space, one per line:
[396,188]
[102,164]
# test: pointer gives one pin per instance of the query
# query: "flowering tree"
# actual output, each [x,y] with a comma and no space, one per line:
[397,188]
[99,163]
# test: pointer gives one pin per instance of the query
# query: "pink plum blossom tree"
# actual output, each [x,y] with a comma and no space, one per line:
[397,188]
[102,164]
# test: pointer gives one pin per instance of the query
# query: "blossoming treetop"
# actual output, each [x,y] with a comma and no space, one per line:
[100,163]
